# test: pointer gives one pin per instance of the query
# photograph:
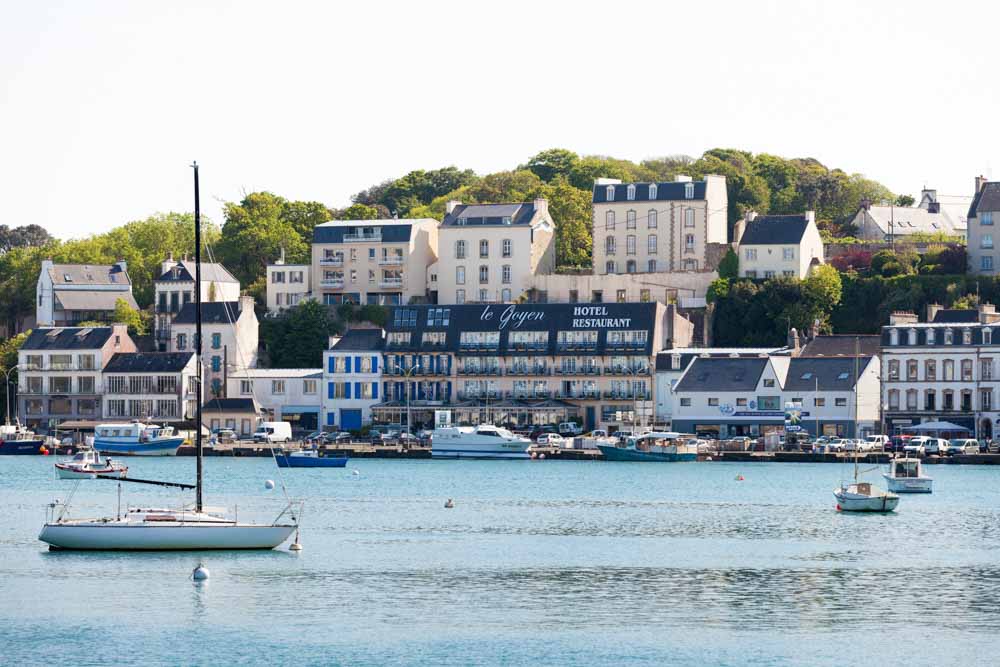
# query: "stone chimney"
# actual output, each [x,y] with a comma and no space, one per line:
[810,216]
[932,310]
[246,304]
[682,178]
[988,314]
[450,206]
[793,341]
[899,317]
[980,182]
[542,207]
[281,257]
[167,264]
[122,265]
[814,330]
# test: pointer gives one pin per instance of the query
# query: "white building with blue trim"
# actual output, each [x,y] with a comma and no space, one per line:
[352,373]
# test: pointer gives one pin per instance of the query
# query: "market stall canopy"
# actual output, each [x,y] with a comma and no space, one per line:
[936,427]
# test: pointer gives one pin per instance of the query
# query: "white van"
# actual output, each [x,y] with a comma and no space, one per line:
[273,432]
[570,429]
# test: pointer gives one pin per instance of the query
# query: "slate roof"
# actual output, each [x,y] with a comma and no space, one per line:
[987,199]
[909,220]
[68,338]
[148,362]
[93,299]
[842,345]
[213,312]
[775,230]
[490,214]
[722,374]
[88,274]
[833,373]
[360,340]
[669,191]
[254,373]
[230,405]
[392,231]
[210,272]
[957,316]
[664,358]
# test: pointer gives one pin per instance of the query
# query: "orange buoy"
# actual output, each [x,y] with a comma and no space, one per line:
[838,507]
[739,478]
[43,451]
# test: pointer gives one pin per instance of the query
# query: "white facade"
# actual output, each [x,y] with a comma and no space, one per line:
[283,394]
[287,285]
[352,378]
[779,246]
[174,288]
[67,294]
[984,243]
[163,392]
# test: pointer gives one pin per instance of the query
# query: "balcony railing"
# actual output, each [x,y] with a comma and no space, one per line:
[479,395]
[528,347]
[477,370]
[579,394]
[363,236]
[583,370]
[628,395]
[577,346]
[528,370]
[390,282]
[626,370]
[391,260]
[331,261]
[626,345]
[335,283]
[52,392]
[530,394]
[480,347]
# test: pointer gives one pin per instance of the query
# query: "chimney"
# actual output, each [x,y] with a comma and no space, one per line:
[932,310]
[988,314]
[811,216]
[246,304]
[542,207]
[122,265]
[793,341]
[281,257]
[450,206]
[331,341]
[980,182]
[682,178]
[928,195]
[814,330]
[898,317]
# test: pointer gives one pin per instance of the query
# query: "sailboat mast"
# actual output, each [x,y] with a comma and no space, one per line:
[197,337]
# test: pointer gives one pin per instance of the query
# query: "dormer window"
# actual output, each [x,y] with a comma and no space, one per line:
[630,194]
[506,220]
[893,337]
[966,336]
[948,336]
[987,336]
[913,336]
[689,191]
[610,196]
[68,278]
[675,361]
[652,191]
[463,221]
[930,336]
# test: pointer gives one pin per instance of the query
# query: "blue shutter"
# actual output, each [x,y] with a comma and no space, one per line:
[347,364]
[329,364]
[329,419]
[375,364]
[449,364]
[357,364]
[357,390]
[374,389]
[329,390]
[347,390]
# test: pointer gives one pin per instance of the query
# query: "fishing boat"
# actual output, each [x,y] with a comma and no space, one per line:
[859,496]
[484,441]
[195,527]
[906,475]
[15,439]
[662,447]
[136,439]
[309,459]
[87,464]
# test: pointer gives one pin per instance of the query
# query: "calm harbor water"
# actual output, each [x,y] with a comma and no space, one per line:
[539,563]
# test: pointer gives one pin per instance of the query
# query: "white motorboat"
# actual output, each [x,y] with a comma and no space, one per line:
[188,528]
[87,464]
[906,475]
[864,497]
[481,442]
[137,439]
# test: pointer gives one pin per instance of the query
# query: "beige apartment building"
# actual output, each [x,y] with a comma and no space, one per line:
[489,252]
[381,262]
[658,227]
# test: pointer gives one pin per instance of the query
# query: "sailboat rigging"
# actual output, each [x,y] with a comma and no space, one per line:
[161,529]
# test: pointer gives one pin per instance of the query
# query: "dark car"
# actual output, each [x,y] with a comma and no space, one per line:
[538,430]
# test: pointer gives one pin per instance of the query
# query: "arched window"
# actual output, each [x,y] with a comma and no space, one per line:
[609,220]
[652,191]
[630,193]
[630,266]
[610,193]
[929,335]
[913,336]
[893,337]
[459,249]
[651,266]
[609,267]
[930,400]
[930,370]
[689,191]
[651,218]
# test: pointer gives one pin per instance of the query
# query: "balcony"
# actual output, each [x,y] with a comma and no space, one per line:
[391,260]
[477,370]
[530,395]
[579,394]
[528,347]
[577,347]
[583,370]
[528,370]
[480,347]
[617,394]
[358,237]
[626,370]
[332,283]
[390,282]
[332,261]
[626,345]
[493,395]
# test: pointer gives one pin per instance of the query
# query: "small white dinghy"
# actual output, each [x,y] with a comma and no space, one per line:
[864,497]
[907,476]
[87,464]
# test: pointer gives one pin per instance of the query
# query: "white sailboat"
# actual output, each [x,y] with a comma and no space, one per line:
[87,464]
[156,529]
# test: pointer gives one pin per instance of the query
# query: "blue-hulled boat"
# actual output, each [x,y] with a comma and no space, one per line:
[309,459]
[18,440]
[651,447]
[136,439]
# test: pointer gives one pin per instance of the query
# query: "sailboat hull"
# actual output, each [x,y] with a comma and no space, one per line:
[126,536]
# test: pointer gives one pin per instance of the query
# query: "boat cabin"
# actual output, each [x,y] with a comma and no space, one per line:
[133,432]
[905,468]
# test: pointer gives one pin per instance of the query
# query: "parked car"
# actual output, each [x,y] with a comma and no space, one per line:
[314,437]
[897,443]
[598,433]
[273,432]
[916,445]
[539,430]
[570,429]
[550,439]
[937,446]
[963,446]
[993,447]
[225,435]
[878,442]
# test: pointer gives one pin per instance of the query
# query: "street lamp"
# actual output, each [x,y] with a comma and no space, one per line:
[406,374]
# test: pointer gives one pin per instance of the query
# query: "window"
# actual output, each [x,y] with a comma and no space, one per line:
[948,400]
[651,217]
[609,245]
[949,370]
[609,220]
[630,220]
[930,400]
[505,295]
[459,275]
[949,337]
[216,341]
[689,191]
[986,369]
[484,274]
[788,254]
[371,253]
[689,243]
[713,402]
[751,274]
[840,402]
[986,241]
[630,244]
[894,399]
[768,383]
[651,244]
[930,370]
[506,247]
[181,342]
[986,262]
[459,249]
[630,266]
[371,276]
[966,337]
[986,399]
[651,266]
[505,274]
[768,402]
[689,217]
[277,386]
[685,402]
[644,295]
[750,253]
[986,218]
[216,364]
[609,266]
[893,337]
[609,193]
[741,402]
[484,296]
[597,296]
[911,399]
[460,296]
[768,274]
[911,369]
[929,336]
[987,337]
[912,336]
[354,254]
[484,249]
[652,191]
[246,387]
[893,369]
[630,192]
[354,275]
[620,296]
[966,370]
[278,277]
[293,277]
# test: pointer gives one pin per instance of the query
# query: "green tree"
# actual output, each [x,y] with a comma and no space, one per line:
[729,266]
[571,211]
[255,232]
[8,360]
[360,212]
[905,200]
[137,320]
[551,163]
[297,338]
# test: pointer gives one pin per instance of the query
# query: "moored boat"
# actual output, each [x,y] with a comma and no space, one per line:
[662,447]
[864,497]
[87,464]
[309,459]
[137,439]
[484,441]
[17,440]
[906,475]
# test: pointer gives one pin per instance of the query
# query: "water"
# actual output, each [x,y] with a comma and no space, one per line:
[539,563]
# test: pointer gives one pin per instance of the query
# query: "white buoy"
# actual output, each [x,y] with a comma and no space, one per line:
[356,472]
[448,504]
[200,573]
[296,545]
[269,484]
[542,456]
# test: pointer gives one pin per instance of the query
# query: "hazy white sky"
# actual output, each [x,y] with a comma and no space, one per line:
[104,104]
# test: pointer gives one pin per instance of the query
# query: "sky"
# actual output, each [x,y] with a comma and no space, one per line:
[103,105]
